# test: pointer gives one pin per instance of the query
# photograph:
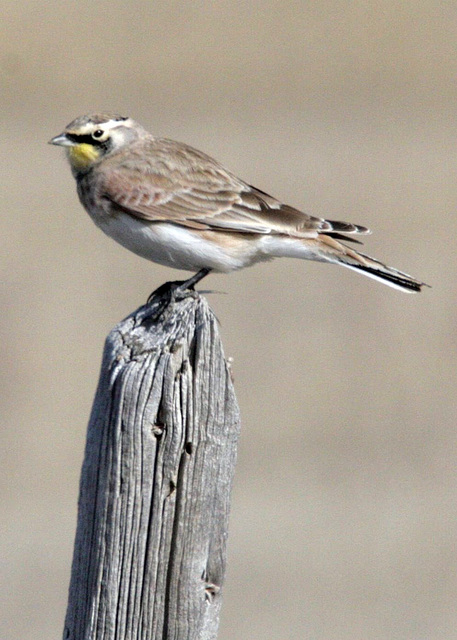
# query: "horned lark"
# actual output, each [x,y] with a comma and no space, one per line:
[174,205]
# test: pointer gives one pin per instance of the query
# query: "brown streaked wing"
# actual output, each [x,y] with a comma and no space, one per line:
[205,197]
[148,197]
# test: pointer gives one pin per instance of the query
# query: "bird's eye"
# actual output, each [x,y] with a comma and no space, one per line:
[97,134]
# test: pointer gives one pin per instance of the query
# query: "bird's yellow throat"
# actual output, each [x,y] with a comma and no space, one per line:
[82,155]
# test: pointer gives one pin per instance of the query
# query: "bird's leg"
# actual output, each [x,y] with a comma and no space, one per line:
[168,287]
[192,281]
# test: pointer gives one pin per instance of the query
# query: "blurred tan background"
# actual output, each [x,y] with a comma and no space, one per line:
[343,520]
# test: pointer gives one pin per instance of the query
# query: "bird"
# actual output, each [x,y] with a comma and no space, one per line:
[176,206]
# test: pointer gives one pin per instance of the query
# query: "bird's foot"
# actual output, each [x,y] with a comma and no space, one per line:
[168,288]
[163,295]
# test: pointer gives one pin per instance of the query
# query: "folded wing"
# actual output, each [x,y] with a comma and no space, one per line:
[200,194]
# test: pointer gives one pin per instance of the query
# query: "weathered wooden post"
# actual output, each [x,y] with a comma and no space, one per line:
[150,548]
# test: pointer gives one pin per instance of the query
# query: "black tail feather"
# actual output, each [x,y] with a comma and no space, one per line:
[406,283]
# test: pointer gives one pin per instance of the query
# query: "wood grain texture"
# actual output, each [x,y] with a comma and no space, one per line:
[150,549]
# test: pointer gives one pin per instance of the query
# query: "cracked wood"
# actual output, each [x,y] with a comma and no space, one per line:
[150,548]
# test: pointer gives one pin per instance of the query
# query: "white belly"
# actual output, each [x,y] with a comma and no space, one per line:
[171,245]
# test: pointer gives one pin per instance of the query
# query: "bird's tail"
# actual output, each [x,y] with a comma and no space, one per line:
[338,253]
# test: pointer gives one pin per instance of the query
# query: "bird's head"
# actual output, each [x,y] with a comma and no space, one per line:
[88,139]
